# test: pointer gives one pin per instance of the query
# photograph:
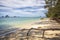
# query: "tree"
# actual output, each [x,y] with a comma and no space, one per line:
[54,12]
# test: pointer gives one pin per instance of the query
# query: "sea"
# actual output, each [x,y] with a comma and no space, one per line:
[7,23]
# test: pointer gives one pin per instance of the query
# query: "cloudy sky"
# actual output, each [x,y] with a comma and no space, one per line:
[23,8]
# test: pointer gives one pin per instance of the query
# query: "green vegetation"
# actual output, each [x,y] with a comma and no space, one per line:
[54,12]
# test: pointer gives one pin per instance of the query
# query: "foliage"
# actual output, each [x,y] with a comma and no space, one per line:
[54,12]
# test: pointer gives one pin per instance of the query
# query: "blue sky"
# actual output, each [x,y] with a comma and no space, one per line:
[23,8]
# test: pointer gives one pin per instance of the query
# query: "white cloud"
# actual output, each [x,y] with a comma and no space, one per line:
[20,3]
[11,4]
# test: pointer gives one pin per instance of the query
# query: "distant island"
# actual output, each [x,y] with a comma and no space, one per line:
[7,16]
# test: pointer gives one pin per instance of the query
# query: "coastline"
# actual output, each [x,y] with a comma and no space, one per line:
[34,24]
[42,23]
[22,30]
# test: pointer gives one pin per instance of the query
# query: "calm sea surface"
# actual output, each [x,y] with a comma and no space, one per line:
[6,23]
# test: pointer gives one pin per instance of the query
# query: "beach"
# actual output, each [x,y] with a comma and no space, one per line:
[27,23]
[29,28]
[18,22]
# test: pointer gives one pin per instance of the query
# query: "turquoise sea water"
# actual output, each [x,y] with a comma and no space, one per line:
[6,23]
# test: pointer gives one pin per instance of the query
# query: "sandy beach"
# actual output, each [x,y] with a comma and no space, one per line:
[27,25]
[45,23]
[37,24]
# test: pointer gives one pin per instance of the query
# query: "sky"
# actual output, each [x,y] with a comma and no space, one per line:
[23,8]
